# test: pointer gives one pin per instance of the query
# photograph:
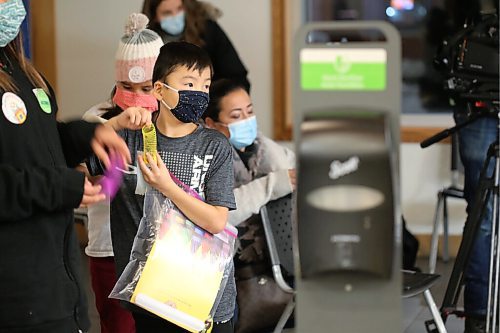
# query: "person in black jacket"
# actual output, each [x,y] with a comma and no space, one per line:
[39,274]
[193,21]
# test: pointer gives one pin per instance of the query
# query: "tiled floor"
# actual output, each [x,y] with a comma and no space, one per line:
[414,309]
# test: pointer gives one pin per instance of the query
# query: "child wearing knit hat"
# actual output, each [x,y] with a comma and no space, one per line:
[130,106]
[135,59]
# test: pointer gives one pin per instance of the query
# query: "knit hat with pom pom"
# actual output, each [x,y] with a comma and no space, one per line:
[137,51]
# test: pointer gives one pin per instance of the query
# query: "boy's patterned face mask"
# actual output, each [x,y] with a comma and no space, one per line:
[192,104]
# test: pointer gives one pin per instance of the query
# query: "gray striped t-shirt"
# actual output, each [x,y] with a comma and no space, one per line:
[201,160]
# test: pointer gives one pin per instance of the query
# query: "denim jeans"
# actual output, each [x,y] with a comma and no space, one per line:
[474,141]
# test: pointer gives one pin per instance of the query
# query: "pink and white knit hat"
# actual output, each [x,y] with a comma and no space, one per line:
[137,51]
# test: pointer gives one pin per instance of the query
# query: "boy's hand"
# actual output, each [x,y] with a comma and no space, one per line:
[133,118]
[157,174]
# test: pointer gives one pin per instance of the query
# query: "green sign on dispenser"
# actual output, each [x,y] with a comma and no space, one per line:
[343,69]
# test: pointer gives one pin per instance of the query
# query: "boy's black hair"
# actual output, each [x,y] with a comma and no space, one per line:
[177,54]
[218,90]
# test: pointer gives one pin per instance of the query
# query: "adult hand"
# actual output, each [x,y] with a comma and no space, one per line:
[133,118]
[91,194]
[107,142]
[157,174]
[293,178]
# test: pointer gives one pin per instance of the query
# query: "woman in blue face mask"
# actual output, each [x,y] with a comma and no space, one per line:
[194,21]
[263,169]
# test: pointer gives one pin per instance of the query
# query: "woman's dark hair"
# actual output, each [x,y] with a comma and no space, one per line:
[178,54]
[196,17]
[218,90]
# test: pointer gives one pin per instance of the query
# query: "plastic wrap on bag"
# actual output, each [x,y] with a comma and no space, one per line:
[177,270]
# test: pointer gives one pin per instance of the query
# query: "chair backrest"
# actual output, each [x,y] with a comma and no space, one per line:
[277,218]
[456,166]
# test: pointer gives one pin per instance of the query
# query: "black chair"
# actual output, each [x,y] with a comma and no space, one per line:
[277,222]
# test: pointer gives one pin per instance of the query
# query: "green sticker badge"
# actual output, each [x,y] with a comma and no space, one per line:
[43,100]
[343,69]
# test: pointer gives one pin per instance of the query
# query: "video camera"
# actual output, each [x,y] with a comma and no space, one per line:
[469,60]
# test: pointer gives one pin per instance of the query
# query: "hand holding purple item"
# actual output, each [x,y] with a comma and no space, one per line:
[113,177]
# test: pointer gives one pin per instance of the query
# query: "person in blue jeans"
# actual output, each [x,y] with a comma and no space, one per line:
[474,141]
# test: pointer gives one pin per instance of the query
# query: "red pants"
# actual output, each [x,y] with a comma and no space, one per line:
[113,318]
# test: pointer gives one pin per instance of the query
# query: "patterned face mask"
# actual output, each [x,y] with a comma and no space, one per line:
[192,104]
[12,14]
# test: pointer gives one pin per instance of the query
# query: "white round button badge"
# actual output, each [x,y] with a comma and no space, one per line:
[137,74]
[14,108]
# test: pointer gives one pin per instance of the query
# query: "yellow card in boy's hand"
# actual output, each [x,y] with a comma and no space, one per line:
[149,140]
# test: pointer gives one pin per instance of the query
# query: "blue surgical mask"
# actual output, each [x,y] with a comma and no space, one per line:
[192,104]
[242,133]
[12,14]
[174,25]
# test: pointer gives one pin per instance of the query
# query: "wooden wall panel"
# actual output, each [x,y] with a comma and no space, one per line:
[281,122]
[43,37]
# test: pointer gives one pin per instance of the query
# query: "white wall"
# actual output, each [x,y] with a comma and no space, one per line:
[423,173]
[87,35]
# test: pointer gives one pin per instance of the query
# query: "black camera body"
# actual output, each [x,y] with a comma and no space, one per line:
[478,56]
[470,61]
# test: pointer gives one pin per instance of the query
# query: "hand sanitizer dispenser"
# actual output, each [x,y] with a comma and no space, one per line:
[346,104]
[346,194]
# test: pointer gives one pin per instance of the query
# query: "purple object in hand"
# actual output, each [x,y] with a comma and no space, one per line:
[113,177]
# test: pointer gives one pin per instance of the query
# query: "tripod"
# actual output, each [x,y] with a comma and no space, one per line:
[488,187]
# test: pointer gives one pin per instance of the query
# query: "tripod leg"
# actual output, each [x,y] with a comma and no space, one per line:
[493,294]
[446,255]
[435,235]
[494,289]
[471,228]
